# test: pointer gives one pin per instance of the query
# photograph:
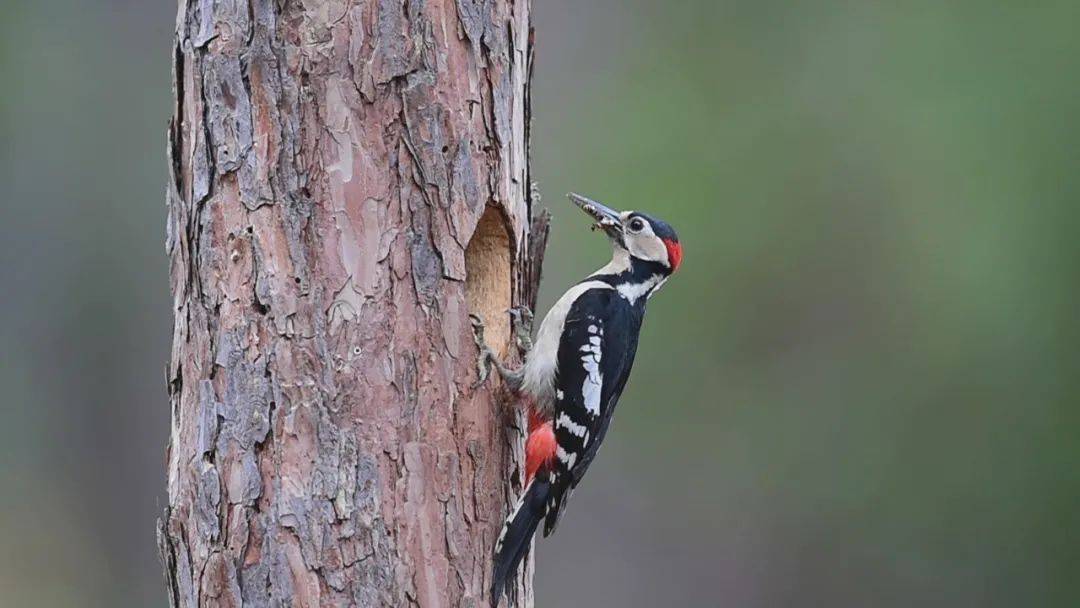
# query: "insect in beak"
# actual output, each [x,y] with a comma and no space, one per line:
[607,219]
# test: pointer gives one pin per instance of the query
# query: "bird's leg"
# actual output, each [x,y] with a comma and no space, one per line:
[487,359]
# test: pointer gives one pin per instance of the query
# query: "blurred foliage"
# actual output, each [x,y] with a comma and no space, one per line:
[866,368]
[861,389]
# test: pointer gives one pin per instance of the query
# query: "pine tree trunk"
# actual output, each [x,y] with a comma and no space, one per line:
[348,181]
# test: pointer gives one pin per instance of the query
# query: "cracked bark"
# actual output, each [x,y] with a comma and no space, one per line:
[348,180]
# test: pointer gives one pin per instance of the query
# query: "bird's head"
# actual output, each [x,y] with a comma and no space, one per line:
[642,237]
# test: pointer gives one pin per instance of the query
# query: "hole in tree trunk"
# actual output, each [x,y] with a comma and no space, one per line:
[487,282]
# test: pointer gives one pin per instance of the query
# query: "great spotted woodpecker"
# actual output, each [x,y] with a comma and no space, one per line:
[576,371]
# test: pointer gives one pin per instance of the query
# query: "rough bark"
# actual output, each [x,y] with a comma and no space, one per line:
[349,179]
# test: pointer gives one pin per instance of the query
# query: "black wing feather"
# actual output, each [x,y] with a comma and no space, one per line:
[600,320]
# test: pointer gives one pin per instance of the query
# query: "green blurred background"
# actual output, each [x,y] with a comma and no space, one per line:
[861,389]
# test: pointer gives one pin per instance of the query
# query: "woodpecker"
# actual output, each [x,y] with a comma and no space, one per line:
[576,370]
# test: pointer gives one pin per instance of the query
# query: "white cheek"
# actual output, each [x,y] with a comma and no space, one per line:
[648,248]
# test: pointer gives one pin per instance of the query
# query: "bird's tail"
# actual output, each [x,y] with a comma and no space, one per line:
[517,534]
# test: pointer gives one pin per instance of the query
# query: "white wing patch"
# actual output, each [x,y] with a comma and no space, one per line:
[564,422]
[566,459]
[594,380]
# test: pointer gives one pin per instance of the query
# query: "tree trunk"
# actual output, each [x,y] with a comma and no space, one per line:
[349,179]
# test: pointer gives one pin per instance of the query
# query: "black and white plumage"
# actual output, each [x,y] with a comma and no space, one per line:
[577,370]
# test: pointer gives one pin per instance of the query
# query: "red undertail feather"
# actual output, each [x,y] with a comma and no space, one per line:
[535,420]
[539,447]
[674,253]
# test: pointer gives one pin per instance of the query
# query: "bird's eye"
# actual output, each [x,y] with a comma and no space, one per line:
[636,225]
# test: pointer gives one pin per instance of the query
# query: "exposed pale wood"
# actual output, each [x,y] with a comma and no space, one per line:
[329,165]
[488,287]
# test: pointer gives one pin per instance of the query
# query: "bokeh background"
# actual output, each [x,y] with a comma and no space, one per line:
[861,390]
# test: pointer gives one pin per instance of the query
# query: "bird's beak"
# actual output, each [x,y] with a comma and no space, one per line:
[607,219]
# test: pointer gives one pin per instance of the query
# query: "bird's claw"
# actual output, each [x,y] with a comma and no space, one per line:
[483,360]
[486,359]
[522,320]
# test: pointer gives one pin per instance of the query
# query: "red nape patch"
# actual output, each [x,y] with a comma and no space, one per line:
[539,449]
[674,253]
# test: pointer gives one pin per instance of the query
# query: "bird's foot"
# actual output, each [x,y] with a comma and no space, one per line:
[487,359]
[484,358]
[522,321]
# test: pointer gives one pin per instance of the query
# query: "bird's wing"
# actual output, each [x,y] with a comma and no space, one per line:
[594,361]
